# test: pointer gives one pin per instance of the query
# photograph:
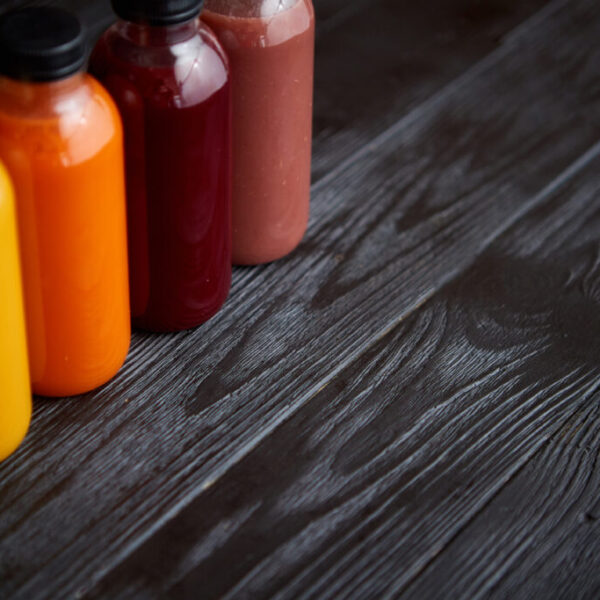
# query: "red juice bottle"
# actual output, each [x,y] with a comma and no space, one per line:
[170,79]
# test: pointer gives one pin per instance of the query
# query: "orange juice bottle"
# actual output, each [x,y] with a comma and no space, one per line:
[61,141]
[15,396]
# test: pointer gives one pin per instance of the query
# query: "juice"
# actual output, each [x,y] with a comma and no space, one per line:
[61,141]
[15,395]
[172,87]
[271,53]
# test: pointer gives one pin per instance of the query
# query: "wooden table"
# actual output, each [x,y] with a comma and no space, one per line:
[408,406]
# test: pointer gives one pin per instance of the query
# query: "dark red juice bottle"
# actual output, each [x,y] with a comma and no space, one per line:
[170,79]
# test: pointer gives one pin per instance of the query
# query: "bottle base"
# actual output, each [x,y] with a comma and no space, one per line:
[243,257]
[155,324]
[12,440]
[62,390]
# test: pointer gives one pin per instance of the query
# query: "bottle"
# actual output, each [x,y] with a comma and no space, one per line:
[170,79]
[15,395]
[270,44]
[61,141]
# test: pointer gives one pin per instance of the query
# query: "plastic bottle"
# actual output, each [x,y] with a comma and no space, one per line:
[15,395]
[270,44]
[170,79]
[61,141]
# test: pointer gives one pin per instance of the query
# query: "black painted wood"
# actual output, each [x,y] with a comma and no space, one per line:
[365,488]
[285,446]
[538,538]
[387,59]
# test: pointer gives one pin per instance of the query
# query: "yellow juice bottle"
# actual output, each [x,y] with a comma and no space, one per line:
[15,395]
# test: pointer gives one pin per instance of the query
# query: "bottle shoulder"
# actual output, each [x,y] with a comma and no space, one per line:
[63,128]
[260,24]
[177,72]
[258,9]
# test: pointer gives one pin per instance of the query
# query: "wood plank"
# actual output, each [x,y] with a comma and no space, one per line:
[538,538]
[95,477]
[369,483]
[390,57]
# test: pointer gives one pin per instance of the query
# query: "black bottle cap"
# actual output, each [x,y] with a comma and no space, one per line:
[40,43]
[157,12]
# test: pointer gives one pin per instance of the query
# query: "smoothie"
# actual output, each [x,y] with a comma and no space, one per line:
[271,51]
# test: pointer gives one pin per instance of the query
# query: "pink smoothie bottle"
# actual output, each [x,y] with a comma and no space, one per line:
[270,44]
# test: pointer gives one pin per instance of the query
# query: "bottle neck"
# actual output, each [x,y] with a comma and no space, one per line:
[164,35]
[38,99]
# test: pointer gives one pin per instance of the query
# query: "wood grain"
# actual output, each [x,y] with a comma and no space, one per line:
[538,538]
[365,486]
[392,225]
[382,62]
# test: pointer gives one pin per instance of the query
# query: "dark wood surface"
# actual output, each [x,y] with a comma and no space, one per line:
[408,406]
